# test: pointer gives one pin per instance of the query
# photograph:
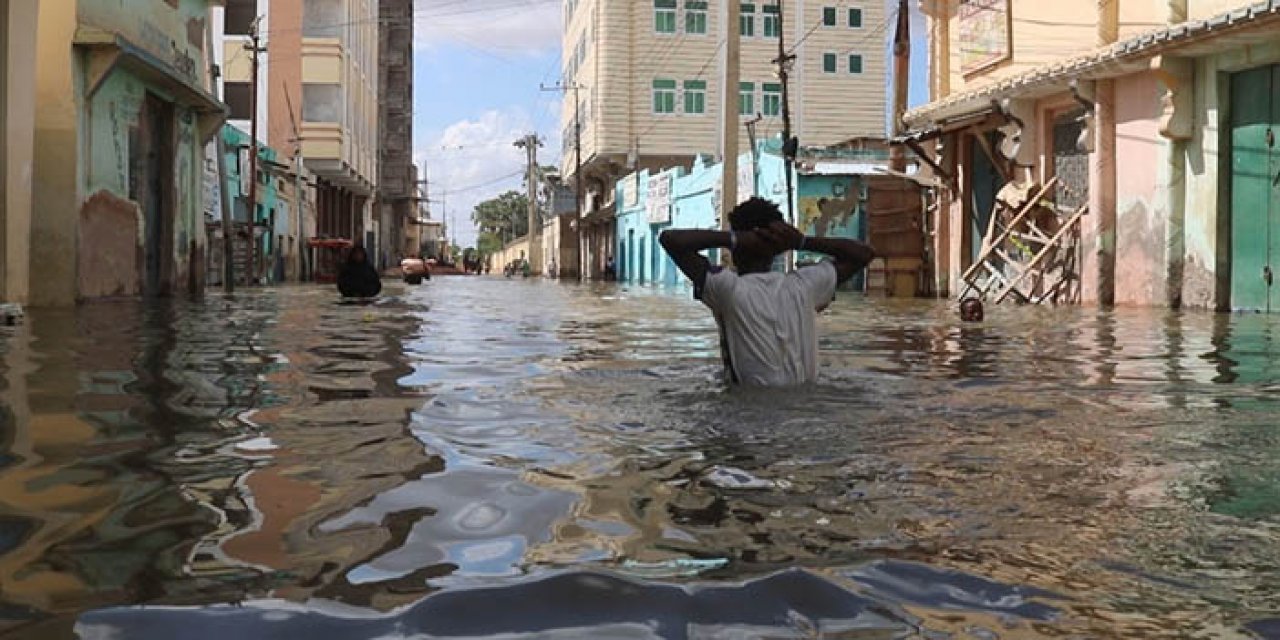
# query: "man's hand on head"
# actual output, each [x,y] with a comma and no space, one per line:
[784,236]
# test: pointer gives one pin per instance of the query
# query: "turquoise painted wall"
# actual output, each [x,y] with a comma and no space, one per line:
[825,205]
[269,197]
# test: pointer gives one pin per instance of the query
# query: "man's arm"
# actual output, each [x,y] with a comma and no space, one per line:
[851,256]
[684,245]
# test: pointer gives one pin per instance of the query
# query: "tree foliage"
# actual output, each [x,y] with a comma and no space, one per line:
[505,217]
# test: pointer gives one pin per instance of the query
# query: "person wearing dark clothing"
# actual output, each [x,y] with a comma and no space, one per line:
[358,278]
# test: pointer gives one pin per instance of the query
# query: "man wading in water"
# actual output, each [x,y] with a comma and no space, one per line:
[768,320]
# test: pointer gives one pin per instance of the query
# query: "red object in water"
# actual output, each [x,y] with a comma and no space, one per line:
[329,254]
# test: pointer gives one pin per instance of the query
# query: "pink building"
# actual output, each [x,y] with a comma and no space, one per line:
[1158,119]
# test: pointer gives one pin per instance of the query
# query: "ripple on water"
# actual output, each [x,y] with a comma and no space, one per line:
[503,445]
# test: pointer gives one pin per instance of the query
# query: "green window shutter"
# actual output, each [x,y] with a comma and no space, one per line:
[829,63]
[664,16]
[855,63]
[664,84]
[829,16]
[855,18]
[695,96]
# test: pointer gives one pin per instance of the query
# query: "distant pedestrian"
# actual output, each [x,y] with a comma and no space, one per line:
[767,319]
[358,278]
[610,269]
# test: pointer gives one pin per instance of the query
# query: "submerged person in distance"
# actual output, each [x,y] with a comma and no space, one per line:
[358,278]
[767,319]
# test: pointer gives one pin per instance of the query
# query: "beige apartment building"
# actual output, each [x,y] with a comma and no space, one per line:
[1157,121]
[649,78]
[323,67]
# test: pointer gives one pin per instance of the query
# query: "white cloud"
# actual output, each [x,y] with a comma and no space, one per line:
[497,26]
[474,160]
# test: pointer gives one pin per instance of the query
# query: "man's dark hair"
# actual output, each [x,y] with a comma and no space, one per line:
[755,213]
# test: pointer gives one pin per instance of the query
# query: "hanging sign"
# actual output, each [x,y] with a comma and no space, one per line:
[985,34]
[658,203]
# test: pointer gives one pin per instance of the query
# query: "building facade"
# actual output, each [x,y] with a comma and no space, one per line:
[123,113]
[1156,118]
[648,89]
[323,104]
[830,200]
[396,173]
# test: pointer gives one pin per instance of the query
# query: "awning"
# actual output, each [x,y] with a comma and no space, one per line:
[110,51]
[1253,24]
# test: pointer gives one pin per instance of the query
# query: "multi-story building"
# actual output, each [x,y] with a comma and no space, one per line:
[648,77]
[1157,119]
[323,99]
[123,113]
[396,174]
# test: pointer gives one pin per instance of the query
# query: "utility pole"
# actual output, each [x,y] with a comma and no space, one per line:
[789,144]
[530,144]
[220,149]
[730,115]
[255,49]
[901,70]
[577,170]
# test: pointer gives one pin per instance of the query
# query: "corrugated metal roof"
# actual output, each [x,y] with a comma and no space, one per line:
[1099,63]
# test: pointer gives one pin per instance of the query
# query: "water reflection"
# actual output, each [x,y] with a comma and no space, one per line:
[352,470]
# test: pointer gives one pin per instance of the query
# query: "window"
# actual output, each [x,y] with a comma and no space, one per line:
[829,16]
[664,16]
[323,18]
[695,96]
[772,99]
[664,96]
[855,63]
[695,17]
[855,18]
[747,98]
[322,103]
[747,20]
[236,95]
[771,26]
[828,63]
[239,17]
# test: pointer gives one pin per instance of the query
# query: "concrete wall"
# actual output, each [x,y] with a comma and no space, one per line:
[18,23]
[1141,223]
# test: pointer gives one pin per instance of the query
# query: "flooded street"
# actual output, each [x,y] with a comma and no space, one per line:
[480,457]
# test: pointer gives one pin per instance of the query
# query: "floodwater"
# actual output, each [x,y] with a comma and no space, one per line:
[523,459]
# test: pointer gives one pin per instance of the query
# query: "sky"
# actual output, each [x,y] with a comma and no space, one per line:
[479,69]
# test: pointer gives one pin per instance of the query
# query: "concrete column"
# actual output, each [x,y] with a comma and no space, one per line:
[18,114]
[57,184]
[939,47]
[1101,221]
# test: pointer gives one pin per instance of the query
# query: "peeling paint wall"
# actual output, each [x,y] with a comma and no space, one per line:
[1141,257]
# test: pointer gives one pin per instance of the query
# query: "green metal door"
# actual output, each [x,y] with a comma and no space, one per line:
[1255,194]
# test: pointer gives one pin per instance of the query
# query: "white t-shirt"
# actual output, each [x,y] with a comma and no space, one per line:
[768,322]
